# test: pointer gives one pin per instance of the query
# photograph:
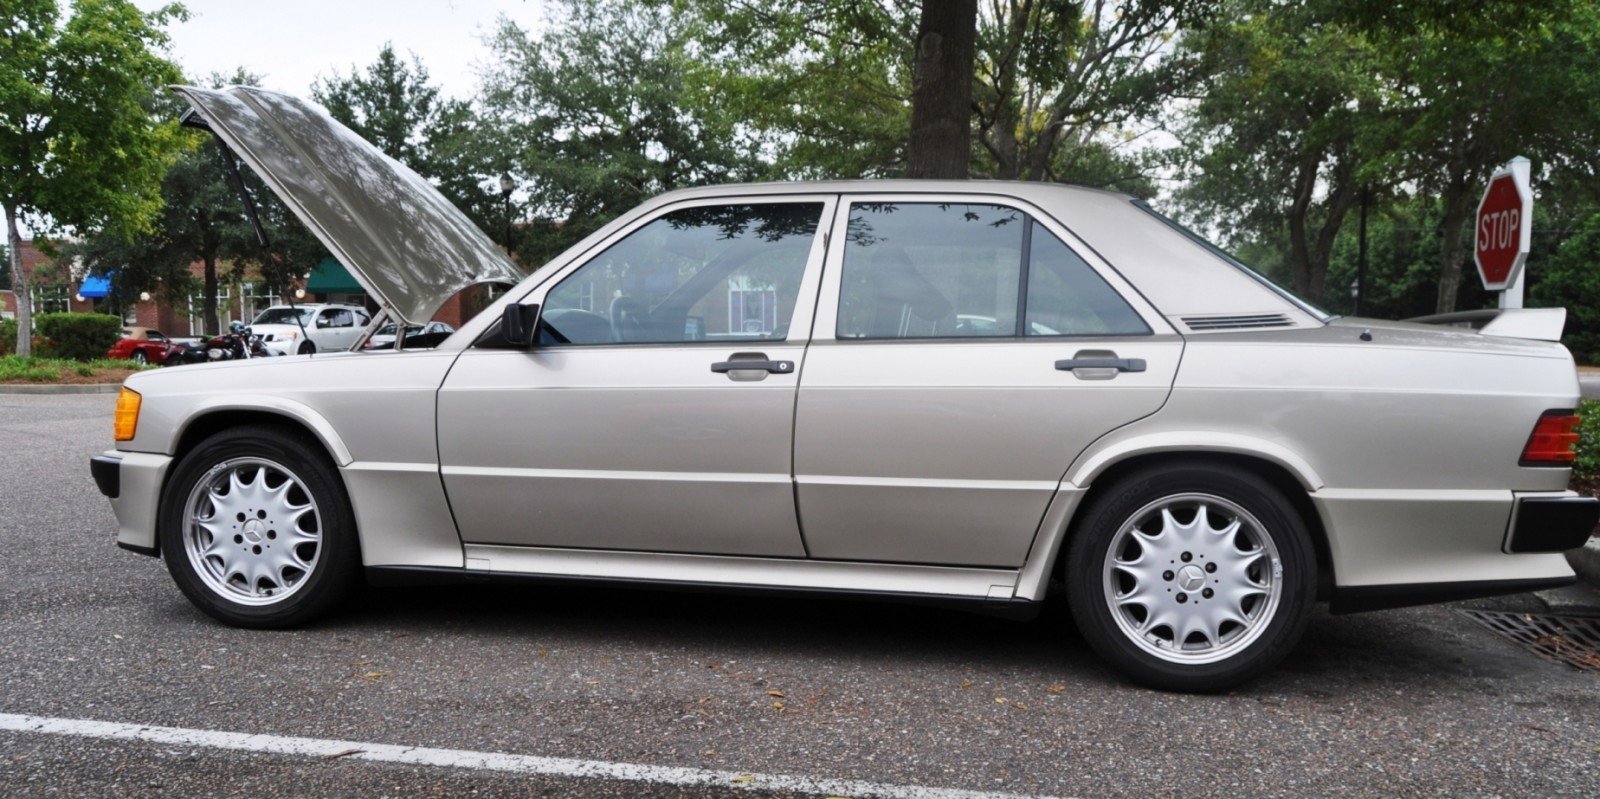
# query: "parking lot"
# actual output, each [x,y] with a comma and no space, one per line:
[729,695]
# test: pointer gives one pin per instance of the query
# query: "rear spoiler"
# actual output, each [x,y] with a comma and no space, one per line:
[1539,324]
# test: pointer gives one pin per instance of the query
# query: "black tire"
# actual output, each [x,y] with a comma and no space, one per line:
[307,348]
[333,572]
[1255,646]
[140,358]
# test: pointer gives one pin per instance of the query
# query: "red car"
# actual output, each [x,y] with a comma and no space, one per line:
[141,345]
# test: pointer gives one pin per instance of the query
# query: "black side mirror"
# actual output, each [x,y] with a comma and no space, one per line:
[518,323]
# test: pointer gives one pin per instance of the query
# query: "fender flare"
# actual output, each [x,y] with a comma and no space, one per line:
[1105,454]
[278,406]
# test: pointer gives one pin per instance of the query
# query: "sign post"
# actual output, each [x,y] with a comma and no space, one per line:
[1503,231]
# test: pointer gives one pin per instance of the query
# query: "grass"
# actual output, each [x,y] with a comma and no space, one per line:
[56,370]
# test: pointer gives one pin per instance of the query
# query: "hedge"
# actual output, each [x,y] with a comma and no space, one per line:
[8,336]
[76,336]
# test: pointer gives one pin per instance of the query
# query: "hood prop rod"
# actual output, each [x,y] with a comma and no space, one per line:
[230,164]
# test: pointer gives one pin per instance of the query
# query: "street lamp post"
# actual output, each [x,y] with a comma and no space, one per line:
[507,185]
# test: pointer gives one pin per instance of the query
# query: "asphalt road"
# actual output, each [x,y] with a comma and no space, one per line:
[1416,702]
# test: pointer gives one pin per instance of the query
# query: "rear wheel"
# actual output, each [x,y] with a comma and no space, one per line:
[256,529]
[139,357]
[1192,576]
[307,348]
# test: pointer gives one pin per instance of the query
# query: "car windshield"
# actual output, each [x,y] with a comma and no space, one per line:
[1234,262]
[283,316]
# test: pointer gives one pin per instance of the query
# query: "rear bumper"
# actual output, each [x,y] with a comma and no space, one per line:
[132,481]
[1551,524]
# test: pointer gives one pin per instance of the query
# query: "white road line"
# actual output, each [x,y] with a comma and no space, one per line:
[487,761]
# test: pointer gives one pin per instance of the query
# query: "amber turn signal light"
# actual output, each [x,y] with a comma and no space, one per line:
[1552,441]
[127,419]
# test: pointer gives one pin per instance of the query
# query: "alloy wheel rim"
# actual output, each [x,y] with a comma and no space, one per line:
[1192,578]
[252,531]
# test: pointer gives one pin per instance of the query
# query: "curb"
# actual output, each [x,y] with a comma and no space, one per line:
[62,388]
[1586,561]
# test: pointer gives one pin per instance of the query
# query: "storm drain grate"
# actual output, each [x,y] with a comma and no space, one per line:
[1573,640]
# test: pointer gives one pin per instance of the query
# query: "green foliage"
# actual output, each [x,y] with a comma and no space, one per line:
[15,368]
[602,110]
[8,335]
[78,147]
[77,336]
[392,104]
[1571,278]
[1588,463]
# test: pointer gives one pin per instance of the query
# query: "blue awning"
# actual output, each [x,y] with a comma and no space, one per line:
[94,287]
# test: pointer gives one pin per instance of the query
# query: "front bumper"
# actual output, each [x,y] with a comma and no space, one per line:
[133,482]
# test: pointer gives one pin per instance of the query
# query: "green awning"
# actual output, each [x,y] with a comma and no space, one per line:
[330,277]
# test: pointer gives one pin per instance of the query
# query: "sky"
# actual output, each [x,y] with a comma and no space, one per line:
[291,43]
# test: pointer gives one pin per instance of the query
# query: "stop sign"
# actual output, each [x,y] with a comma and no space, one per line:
[1500,243]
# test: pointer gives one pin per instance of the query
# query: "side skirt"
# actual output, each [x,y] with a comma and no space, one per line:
[981,590]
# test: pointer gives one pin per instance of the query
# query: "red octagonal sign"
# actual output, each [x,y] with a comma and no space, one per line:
[1500,243]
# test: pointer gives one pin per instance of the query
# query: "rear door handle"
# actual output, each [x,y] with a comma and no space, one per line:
[1119,364]
[771,367]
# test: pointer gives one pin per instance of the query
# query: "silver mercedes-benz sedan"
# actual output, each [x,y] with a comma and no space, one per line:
[954,391]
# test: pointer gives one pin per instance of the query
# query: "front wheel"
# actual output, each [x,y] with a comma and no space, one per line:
[139,358]
[256,529]
[307,348]
[1192,576]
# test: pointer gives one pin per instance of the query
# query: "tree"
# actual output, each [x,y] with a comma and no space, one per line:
[602,111]
[392,104]
[79,149]
[1282,137]
[940,144]
[829,87]
[1054,77]
[1484,87]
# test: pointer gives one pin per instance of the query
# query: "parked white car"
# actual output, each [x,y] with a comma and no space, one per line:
[326,327]
[954,391]
[385,336]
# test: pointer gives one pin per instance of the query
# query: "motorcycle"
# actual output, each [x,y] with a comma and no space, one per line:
[235,345]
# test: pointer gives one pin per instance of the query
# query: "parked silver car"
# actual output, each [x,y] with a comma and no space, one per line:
[956,391]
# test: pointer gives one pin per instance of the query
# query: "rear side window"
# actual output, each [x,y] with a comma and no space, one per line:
[963,270]
[1067,298]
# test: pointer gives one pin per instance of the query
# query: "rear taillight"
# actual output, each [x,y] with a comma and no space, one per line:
[1552,441]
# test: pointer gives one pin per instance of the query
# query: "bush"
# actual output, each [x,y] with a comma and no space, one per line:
[8,336]
[76,336]
[1588,463]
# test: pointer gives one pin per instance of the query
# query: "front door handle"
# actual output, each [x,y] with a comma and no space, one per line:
[740,366]
[1119,364]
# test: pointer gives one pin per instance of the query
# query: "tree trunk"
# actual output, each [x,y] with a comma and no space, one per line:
[1299,225]
[210,303]
[941,93]
[19,284]
[1457,204]
[1341,197]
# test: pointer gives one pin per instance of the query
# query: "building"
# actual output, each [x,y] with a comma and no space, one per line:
[55,290]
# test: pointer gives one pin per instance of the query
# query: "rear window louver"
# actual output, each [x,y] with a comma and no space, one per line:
[1237,322]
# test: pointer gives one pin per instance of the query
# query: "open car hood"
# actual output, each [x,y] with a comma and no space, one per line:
[408,246]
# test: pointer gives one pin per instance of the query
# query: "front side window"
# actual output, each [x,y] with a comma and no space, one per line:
[712,273]
[963,270]
[339,318]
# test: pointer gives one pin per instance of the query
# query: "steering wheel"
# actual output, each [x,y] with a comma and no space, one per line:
[627,319]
